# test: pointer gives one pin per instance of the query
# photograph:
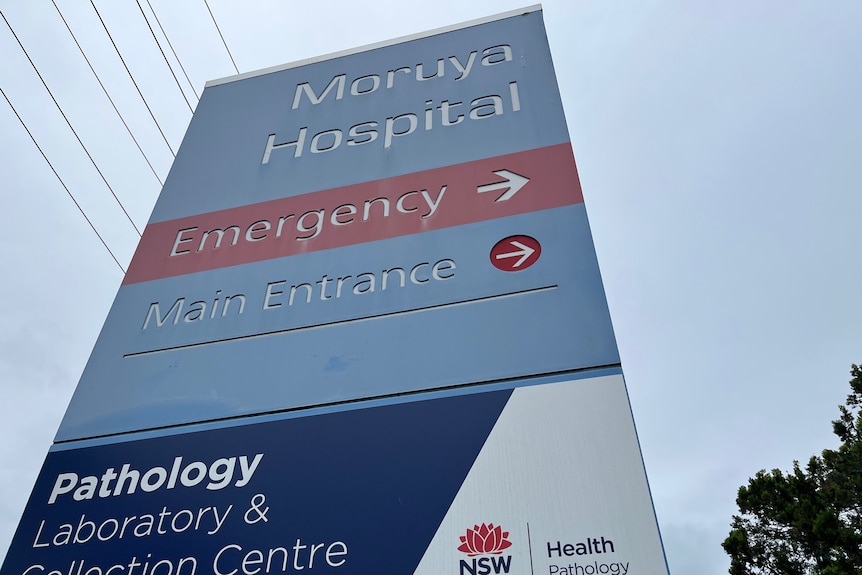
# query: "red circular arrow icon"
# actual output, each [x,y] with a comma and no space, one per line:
[515,253]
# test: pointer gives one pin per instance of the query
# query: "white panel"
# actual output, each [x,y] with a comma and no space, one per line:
[564,459]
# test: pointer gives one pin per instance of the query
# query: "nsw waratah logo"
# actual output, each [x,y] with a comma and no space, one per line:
[485,539]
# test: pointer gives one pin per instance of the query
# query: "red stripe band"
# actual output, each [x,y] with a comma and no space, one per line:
[413,203]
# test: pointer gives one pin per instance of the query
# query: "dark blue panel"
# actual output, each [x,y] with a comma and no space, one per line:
[379,480]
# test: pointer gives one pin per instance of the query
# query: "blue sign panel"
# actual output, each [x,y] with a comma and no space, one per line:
[394,220]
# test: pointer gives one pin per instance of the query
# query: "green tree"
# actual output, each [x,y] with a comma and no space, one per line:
[807,521]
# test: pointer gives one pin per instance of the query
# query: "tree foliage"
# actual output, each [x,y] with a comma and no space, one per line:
[807,521]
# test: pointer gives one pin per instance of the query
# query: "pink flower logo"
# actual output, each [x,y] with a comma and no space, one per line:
[484,539]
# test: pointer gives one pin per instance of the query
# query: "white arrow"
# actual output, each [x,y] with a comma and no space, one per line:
[525,252]
[511,184]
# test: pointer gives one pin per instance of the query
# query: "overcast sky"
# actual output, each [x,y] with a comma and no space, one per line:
[719,150]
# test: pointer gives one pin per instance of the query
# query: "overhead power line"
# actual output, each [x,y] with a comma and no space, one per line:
[68,123]
[222,37]
[143,99]
[159,45]
[171,46]
[65,187]
[107,95]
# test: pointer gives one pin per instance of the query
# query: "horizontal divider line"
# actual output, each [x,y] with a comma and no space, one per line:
[342,322]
